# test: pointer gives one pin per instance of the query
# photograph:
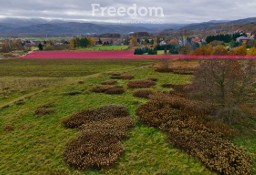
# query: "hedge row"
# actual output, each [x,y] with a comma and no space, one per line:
[189,129]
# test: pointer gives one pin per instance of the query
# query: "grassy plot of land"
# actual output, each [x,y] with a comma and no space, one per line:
[32,144]
[105,48]
[21,77]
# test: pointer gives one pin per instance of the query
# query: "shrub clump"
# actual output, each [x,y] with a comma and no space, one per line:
[109,82]
[108,89]
[190,129]
[180,89]
[100,89]
[122,77]
[99,144]
[118,127]
[93,151]
[115,90]
[145,93]
[141,84]
[103,113]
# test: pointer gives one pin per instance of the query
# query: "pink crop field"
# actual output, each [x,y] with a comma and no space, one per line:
[118,55]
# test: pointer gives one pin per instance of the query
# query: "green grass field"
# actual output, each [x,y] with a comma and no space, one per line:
[105,48]
[34,145]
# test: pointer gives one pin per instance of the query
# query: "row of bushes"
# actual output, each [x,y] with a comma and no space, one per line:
[99,143]
[189,129]
[142,51]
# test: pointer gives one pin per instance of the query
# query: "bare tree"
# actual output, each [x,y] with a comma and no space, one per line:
[226,84]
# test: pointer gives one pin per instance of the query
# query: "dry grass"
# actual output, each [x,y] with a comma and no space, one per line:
[185,67]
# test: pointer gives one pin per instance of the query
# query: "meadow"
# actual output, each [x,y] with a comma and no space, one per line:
[32,144]
[105,48]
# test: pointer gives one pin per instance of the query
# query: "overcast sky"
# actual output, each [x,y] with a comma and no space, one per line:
[175,11]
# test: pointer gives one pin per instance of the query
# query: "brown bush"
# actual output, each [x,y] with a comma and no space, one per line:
[115,90]
[109,82]
[108,89]
[99,144]
[143,93]
[122,77]
[217,154]
[117,126]
[103,113]
[184,89]
[153,79]
[163,70]
[100,89]
[196,134]
[141,84]
[93,151]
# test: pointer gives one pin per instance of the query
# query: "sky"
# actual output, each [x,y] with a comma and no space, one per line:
[173,11]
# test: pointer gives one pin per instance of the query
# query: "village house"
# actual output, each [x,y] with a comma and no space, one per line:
[244,39]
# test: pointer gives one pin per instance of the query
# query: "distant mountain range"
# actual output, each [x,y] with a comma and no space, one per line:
[19,27]
[42,27]
[211,27]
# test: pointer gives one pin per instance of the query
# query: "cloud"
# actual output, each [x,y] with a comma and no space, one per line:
[181,11]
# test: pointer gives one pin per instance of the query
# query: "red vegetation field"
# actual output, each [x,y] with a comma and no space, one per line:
[118,55]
